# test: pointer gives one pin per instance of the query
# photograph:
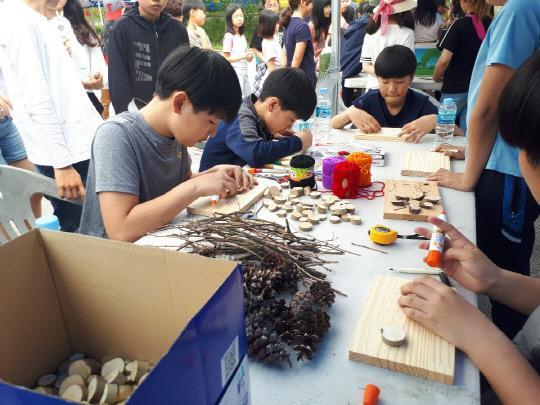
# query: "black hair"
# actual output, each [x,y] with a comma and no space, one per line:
[174,8]
[293,89]
[426,12]
[287,12]
[208,79]
[83,31]
[457,11]
[267,23]
[229,11]
[519,109]
[405,19]
[320,22]
[395,61]
[191,5]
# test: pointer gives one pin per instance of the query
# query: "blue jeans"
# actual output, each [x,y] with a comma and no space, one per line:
[11,144]
[461,102]
[69,215]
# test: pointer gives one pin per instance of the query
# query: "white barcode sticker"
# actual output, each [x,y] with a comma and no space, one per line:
[229,361]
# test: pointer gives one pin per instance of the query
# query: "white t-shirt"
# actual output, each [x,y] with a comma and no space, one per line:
[428,34]
[374,44]
[236,45]
[50,106]
[272,50]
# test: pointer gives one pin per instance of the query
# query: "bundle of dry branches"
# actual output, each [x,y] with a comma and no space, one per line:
[285,292]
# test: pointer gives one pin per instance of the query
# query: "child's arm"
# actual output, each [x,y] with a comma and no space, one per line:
[360,118]
[368,68]
[227,48]
[298,56]
[119,72]
[271,64]
[442,65]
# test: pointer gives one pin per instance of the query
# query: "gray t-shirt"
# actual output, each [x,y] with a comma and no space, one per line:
[130,157]
[528,339]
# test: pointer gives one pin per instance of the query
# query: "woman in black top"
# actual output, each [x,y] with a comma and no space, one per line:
[459,46]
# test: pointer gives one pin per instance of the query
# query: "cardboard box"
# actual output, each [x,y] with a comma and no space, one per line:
[62,293]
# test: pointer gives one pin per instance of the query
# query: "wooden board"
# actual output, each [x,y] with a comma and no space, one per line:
[239,202]
[408,187]
[386,134]
[421,163]
[424,354]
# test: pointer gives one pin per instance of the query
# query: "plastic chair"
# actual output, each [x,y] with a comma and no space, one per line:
[16,188]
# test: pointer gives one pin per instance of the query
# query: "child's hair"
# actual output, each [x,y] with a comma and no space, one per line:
[229,11]
[191,5]
[208,79]
[84,32]
[519,106]
[481,9]
[174,8]
[320,22]
[395,61]
[293,89]
[405,19]
[426,12]
[267,23]
[287,12]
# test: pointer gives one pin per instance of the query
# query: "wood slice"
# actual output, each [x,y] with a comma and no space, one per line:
[307,212]
[346,217]
[74,393]
[334,219]
[306,226]
[267,201]
[315,195]
[356,220]
[399,203]
[296,216]
[417,196]
[136,370]
[414,208]
[295,201]
[300,190]
[116,364]
[322,217]
[393,336]
[434,199]
[115,377]
[314,219]
[288,204]
[279,199]
[321,208]
[60,379]
[350,208]
[307,190]
[293,194]
[288,208]
[110,393]
[124,392]
[304,219]
[64,366]
[401,197]
[47,380]
[69,381]
[266,192]
[426,204]
[96,385]
[308,204]
[272,207]
[84,368]
[281,213]
[274,191]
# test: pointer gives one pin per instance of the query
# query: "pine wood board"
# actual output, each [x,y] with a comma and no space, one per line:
[239,202]
[386,134]
[421,163]
[408,187]
[424,354]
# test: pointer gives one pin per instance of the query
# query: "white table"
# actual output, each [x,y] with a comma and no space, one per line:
[421,83]
[330,378]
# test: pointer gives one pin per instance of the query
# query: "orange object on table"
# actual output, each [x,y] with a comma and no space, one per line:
[371,394]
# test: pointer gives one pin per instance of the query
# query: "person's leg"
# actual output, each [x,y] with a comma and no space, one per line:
[505,215]
[14,154]
[69,214]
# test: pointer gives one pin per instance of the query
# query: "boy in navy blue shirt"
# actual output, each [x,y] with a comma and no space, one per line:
[394,104]
[255,137]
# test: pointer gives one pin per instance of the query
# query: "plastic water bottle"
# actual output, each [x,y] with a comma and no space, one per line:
[323,114]
[444,132]
[49,222]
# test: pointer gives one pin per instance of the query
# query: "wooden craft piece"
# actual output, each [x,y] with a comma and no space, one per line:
[84,368]
[399,203]
[288,204]
[96,385]
[433,198]
[307,212]
[279,199]
[338,210]
[334,219]
[393,336]
[356,220]
[314,219]
[386,134]
[115,377]
[295,201]
[304,219]
[425,355]
[116,364]
[414,207]
[421,163]
[417,196]
[308,204]
[64,366]
[267,201]
[300,190]
[307,190]
[239,202]
[44,390]
[136,369]
[274,191]
[315,195]
[306,226]
[267,192]
[69,381]
[124,392]
[426,204]
[350,208]
[321,209]
[110,393]
[346,217]
[281,213]
[288,208]
[294,194]
[399,188]
[47,380]
[74,393]
[60,380]
[272,207]
[322,217]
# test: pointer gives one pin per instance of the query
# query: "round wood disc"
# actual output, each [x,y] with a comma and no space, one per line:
[74,393]
[282,213]
[393,336]
[47,380]
[306,226]
[315,195]
[334,219]
[356,220]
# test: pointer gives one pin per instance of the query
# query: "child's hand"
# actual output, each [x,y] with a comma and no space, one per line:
[415,130]
[5,108]
[456,152]
[249,56]
[215,182]
[462,260]
[364,121]
[244,180]
[442,310]
[306,137]
[94,83]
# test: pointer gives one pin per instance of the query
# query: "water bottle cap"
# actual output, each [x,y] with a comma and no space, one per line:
[48,222]
[448,100]
[323,91]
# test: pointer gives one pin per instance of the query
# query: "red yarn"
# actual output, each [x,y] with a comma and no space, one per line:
[346,180]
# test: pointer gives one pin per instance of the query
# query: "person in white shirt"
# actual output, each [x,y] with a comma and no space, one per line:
[427,21]
[56,118]
[392,24]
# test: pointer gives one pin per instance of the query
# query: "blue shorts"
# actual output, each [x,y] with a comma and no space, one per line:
[11,144]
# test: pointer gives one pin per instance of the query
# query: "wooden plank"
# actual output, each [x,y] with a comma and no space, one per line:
[386,134]
[421,163]
[408,188]
[424,354]
[239,202]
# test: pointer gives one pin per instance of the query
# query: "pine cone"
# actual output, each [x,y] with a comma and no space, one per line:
[322,293]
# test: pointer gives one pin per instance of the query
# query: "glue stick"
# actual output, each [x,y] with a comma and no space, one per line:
[436,245]
[214,199]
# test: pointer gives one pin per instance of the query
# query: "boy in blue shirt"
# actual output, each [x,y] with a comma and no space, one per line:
[255,136]
[505,208]
[394,104]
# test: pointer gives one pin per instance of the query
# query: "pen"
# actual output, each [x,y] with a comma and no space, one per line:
[253,171]
[414,270]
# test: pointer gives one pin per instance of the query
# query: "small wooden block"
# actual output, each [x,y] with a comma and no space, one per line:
[288,204]
[116,364]
[136,369]
[267,201]
[338,210]
[414,208]
[434,199]
[334,219]
[307,190]
[307,212]
[401,197]
[279,199]
[274,191]
[315,195]
[314,219]
[295,201]
[308,204]
[84,368]
[356,220]
[296,216]
[288,208]
[115,377]
[282,213]
[96,385]
[346,217]
[350,208]
[300,190]
[306,226]
[110,393]
[69,381]
[417,196]
[421,163]
[272,207]
[47,380]
[304,219]
[393,336]
[426,204]
[74,393]
[399,203]
[124,392]
[322,217]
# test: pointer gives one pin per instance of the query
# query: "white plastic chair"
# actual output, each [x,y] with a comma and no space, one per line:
[16,188]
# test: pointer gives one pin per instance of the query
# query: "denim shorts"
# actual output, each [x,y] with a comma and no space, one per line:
[11,144]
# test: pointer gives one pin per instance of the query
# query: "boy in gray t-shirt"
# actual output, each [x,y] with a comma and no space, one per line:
[139,177]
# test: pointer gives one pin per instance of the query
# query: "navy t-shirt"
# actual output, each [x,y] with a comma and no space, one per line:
[416,105]
[298,31]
